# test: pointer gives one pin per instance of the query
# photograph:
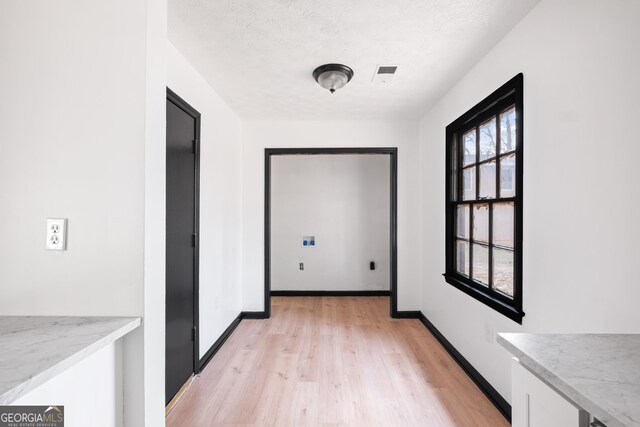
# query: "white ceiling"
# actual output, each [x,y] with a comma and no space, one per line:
[259,54]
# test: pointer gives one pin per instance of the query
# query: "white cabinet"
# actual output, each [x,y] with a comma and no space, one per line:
[536,404]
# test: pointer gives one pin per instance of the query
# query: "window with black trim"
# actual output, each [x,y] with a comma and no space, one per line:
[484,201]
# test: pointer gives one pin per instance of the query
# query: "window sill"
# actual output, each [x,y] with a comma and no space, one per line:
[486,298]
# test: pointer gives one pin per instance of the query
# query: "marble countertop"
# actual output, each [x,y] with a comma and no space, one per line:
[598,372]
[35,349]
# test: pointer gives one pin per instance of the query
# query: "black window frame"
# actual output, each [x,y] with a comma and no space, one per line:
[511,93]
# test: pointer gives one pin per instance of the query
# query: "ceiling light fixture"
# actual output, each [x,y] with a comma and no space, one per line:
[332,76]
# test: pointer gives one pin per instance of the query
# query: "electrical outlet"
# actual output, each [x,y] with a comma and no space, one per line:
[56,234]
[302,266]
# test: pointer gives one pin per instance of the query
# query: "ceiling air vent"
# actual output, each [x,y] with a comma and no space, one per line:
[384,73]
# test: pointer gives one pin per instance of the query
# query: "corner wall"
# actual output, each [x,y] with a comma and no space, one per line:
[220,199]
[581,150]
[144,400]
[82,136]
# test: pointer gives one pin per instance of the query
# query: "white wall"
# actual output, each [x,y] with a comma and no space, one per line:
[82,136]
[580,62]
[344,202]
[259,135]
[220,199]
[144,379]
[95,395]
[72,131]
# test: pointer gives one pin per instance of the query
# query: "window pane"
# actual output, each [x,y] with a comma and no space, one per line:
[502,270]
[481,264]
[469,183]
[469,149]
[481,223]
[488,180]
[462,257]
[462,228]
[507,176]
[508,130]
[503,224]
[488,140]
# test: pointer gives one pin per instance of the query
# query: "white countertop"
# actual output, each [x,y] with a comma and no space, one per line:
[35,349]
[599,372]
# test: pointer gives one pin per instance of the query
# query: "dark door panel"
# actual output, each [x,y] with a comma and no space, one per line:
[180,251]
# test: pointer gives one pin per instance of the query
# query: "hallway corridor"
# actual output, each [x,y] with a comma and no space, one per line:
[333,361]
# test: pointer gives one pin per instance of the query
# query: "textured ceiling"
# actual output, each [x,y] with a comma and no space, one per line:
[259,54]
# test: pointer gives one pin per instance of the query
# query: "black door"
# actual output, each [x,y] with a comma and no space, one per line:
[181,240]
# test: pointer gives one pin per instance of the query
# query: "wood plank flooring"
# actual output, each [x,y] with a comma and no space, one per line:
[333,361]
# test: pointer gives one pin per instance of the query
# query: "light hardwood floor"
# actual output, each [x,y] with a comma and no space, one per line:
[333,361]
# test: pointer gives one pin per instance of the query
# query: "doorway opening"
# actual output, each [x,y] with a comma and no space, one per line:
[182,252]
[391,152]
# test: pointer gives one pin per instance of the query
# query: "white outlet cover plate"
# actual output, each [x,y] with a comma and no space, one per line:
[56,234]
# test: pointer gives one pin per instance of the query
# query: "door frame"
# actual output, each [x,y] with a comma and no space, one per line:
[393,241]
[184,106]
